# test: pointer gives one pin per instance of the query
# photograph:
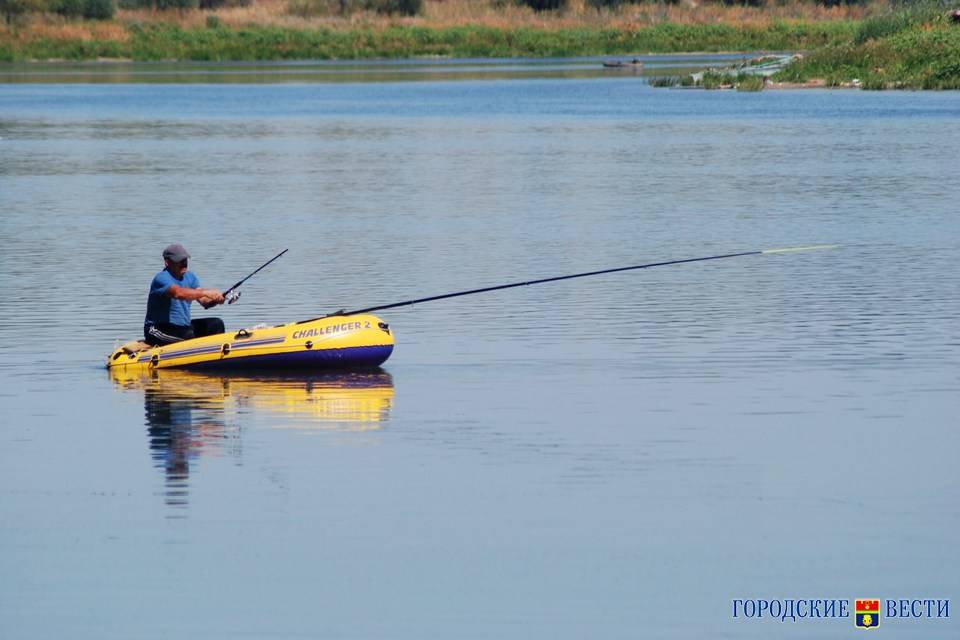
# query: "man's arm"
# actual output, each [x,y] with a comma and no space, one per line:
[207,297]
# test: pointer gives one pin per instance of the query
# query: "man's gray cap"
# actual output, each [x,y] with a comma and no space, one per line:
[175,253]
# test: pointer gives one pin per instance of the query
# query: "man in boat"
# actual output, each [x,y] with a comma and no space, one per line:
[168,305]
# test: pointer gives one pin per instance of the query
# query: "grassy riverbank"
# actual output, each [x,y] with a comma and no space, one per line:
[910,49]
[172,42]
[869,46]
[302,29]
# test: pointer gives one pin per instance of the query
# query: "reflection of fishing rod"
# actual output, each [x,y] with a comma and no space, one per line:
[232,295]
[578,275]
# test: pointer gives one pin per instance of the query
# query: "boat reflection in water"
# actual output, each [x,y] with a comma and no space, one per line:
[191,415]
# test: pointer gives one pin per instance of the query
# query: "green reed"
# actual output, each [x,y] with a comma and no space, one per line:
[909,50]
[157,41]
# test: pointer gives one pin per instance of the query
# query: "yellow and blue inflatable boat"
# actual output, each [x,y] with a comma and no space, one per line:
[333,342]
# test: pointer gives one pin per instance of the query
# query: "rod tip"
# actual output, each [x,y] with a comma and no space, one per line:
[812,247]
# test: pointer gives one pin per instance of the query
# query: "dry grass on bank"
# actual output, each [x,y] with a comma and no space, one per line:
[506,15]
[54,27]
[579,13]
[500,14]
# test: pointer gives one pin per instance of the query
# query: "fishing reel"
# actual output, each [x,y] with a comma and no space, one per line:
[232,297]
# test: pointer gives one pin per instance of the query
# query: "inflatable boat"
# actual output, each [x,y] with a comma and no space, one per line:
[332,342]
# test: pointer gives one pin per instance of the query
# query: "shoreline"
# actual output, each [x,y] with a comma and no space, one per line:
[913,48]
[599,58]
[160,41]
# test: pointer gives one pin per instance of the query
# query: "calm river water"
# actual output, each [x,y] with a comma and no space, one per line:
[612,457]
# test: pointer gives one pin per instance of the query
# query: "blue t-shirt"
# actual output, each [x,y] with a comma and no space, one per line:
[163,308]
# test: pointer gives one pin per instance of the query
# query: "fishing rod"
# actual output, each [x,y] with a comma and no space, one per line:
[232,295]
[469,292]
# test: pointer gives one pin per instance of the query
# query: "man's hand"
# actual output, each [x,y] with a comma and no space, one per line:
[210,298]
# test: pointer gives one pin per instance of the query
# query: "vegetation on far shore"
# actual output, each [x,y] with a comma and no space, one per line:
[166,42]
[849,43]
[324,29]
[912,47]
